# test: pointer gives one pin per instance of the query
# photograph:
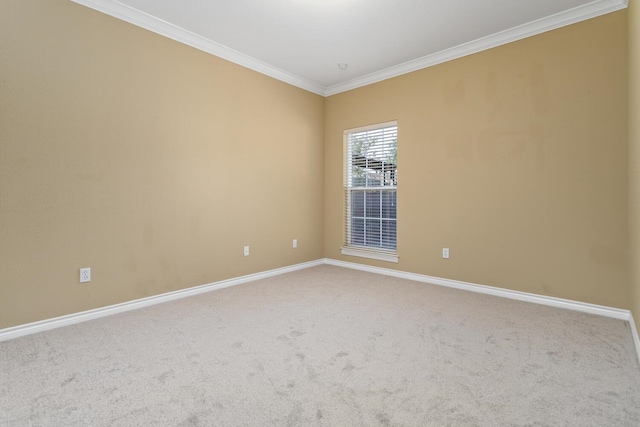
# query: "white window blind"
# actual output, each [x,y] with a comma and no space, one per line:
[371,182]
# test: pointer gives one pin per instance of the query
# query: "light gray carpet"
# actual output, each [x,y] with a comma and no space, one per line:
[327,346]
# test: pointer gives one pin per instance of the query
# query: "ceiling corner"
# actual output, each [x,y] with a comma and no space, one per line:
[562,19]
[141,19]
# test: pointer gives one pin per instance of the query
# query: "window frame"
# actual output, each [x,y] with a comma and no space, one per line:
[364,251]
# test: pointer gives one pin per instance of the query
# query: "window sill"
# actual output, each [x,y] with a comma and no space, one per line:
[372,254]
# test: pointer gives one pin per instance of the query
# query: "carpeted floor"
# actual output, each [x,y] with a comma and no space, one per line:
[327,346]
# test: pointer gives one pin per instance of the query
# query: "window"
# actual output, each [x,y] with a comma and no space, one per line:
[370,185]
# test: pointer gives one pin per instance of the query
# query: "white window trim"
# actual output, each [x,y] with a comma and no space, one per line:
[365,251]
[371,254]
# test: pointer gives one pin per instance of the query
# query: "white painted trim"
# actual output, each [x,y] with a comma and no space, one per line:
[600,310]
[71,319]
[151,23]
[364,253]
[141,19]
[562,19]
[374,126]
[634,333]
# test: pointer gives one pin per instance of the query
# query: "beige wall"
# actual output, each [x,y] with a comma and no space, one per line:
[154,163]
[634,157]
[515,158]
[146,160]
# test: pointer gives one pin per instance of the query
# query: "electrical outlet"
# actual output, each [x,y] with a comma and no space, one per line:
[85,275]
[246,251]
[295,243]
[445,253]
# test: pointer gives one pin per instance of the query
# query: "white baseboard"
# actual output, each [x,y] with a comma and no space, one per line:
[615,313]
[634,333]
[600,310]
[57,322]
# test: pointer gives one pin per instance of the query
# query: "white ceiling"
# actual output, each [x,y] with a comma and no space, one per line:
[302,41]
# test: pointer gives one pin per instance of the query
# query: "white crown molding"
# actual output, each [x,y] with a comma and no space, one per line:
[562,19]
[151,23]
[71,319]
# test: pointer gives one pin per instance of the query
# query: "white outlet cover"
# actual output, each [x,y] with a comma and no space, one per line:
[85,275]
[246,251]
[445,253]
[295,243]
